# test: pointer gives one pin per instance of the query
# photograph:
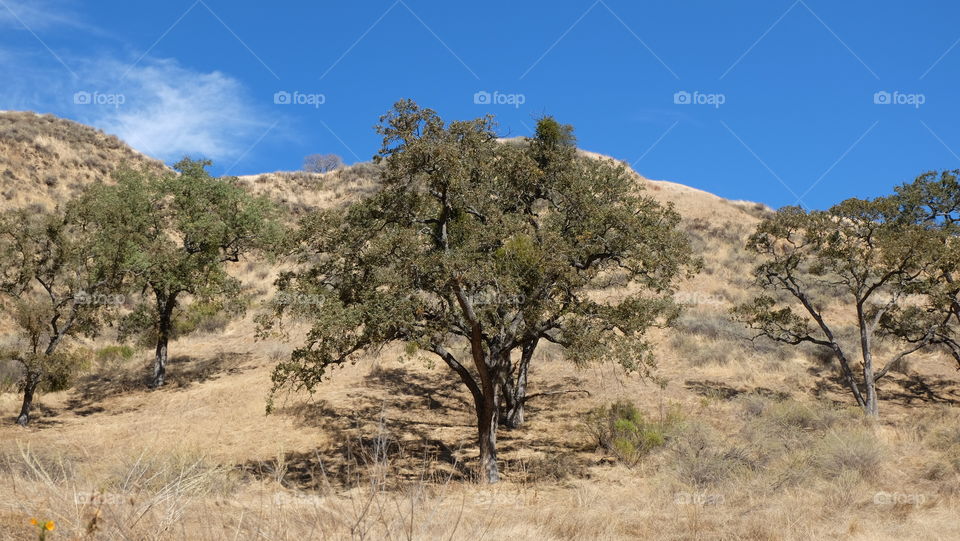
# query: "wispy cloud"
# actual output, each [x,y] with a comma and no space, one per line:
[39,15]
[158,106]
[167,110]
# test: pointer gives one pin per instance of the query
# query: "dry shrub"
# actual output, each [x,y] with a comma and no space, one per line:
[552,467]
[853,450]
[41,466]
[702,458]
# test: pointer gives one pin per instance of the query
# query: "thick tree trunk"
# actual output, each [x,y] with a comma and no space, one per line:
[512,414]
[487,420]
[34,377]
[163,338]
[28,391]
[160,361]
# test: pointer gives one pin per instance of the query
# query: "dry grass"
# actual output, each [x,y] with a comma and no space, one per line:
[45,159]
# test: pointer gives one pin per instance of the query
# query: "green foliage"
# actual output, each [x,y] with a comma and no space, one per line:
[112,357]
[467,229]
[473,245]
[182,229]
[56,270]
[624,431]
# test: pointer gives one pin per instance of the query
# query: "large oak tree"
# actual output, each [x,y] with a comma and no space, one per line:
[476,251]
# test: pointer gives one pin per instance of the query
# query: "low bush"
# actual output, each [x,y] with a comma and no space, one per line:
[112,357]
[623,431]
[701,458]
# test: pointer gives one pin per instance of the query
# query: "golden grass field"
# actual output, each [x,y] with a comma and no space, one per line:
[764,442]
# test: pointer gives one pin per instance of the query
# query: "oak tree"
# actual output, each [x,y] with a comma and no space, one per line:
[183,227]
[476,251]
[60,274]
[869,262]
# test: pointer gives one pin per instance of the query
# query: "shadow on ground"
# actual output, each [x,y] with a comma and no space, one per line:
[405,426]
[904,389]
[182,372]
[723,391]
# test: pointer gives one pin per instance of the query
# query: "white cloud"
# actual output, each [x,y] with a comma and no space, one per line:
[168,111]
[37,15]
[159,107]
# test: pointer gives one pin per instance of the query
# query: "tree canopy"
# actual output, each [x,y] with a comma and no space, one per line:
[475,251]
[59,274]
[181,228]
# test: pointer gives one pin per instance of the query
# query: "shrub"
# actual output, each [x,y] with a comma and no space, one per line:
[10,374]
[852,451]
[623,431]
[112,357]
[702,459]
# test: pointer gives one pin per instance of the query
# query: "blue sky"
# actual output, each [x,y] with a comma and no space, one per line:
[779,101]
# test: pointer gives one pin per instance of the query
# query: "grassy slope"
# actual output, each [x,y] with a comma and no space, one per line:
[386,447]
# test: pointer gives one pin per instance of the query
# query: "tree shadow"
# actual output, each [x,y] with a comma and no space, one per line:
[183,371]
[902,389]
[912,389]
[409,445]
[723,391]
[379,459]
[41,417]
[434,391]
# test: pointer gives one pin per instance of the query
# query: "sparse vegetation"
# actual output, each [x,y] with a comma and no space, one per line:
[740,439]
[624,430]
[322,163]
[181,229]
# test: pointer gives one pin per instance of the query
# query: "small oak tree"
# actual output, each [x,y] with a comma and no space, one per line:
[865,260]
[59,274]
[182,227]
[486,247]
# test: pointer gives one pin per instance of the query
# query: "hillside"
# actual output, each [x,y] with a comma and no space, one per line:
[45,159]
[386,447]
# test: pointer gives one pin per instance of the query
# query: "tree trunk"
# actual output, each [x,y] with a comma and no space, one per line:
[33,376]
[870,406]
[487,419]
[28,391]
[515,395]
[163,337]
